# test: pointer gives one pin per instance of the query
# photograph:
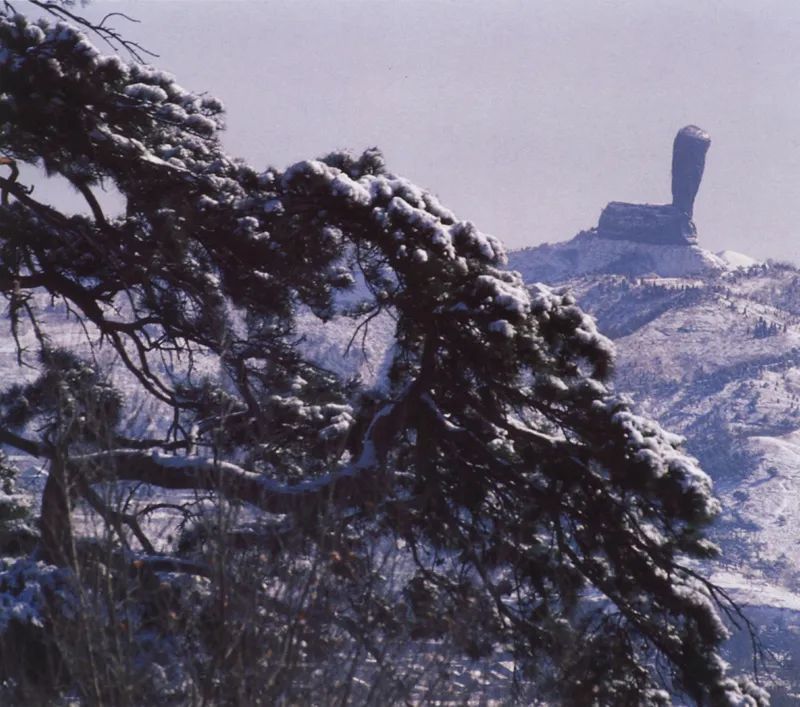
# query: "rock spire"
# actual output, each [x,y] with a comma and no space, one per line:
[688,161]
[664,224]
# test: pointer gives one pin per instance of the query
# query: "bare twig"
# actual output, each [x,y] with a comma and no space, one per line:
[111,36]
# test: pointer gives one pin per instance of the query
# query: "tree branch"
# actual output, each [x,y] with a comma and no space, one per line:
[112,37]
[115,518]
[352,484]
[91,200]
[23,444]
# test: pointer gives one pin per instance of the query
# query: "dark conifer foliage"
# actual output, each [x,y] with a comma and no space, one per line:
[525,511]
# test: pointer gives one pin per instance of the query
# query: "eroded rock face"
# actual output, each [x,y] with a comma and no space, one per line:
[688,161]
[662,224]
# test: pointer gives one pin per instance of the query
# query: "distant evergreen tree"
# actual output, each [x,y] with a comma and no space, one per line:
[527,512]
[763,329]
[16,535]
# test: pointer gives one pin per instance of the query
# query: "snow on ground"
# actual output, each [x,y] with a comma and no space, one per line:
[769,498]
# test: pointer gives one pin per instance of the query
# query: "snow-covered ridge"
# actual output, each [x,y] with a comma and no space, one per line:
[589,253]
[737,260]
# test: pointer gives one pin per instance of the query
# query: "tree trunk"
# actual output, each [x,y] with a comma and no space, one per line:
[56,522]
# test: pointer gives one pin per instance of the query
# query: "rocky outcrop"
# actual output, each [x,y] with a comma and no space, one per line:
[663,224]
[647,223]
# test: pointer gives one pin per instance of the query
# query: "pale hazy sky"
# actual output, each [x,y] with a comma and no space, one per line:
[525,117]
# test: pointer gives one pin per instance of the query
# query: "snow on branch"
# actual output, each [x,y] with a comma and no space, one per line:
[349,484]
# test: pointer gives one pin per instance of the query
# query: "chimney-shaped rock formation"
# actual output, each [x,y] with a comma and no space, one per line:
[664,224]
[688,161]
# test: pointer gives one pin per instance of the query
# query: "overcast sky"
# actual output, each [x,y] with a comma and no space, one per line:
[525,117]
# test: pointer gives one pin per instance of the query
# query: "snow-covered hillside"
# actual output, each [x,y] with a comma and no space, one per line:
[710,346]
[589,253]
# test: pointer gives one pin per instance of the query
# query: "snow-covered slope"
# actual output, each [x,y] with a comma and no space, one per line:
[716,357]
[737,260]
[589,253]
[712,352]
